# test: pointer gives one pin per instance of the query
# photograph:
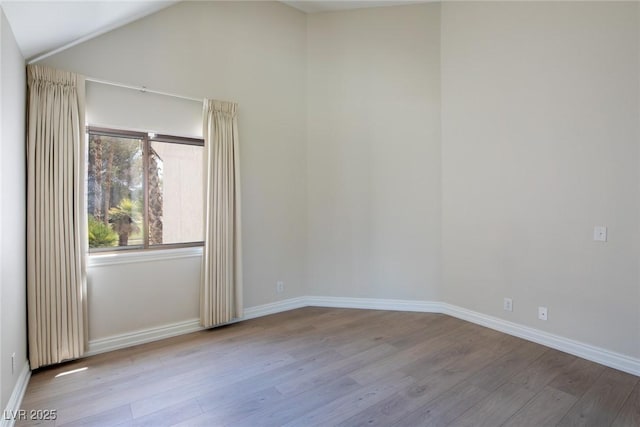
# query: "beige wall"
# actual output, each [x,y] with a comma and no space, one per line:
[373,152]
[540,144]
[253,53]
[13,316]
[460,152]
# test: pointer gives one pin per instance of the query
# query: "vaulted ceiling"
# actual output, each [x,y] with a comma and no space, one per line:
[46,26]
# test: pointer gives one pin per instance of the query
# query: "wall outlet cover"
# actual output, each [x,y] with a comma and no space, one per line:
[600,233]
[542,313]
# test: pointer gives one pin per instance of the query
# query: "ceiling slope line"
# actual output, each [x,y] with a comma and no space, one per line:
[106,29]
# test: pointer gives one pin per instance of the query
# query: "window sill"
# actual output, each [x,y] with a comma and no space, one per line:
[136,257]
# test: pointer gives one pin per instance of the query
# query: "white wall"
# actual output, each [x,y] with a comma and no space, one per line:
[540,144]
[13,329]
[122,108]
[134,292]
[253,53]
[373,152]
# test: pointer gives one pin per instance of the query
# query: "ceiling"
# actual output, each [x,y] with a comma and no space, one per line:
[38,34]
[47,25]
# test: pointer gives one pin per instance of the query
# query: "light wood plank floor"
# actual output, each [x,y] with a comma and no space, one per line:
[325,367]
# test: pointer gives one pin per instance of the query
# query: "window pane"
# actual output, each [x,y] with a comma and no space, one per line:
[115,191]
[175,193]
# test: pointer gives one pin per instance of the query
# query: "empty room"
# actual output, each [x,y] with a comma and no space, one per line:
[320,213]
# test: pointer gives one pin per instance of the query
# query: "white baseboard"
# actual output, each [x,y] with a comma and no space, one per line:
[274,307]
[144,336]
[10,413]
[374,304]
[596,354]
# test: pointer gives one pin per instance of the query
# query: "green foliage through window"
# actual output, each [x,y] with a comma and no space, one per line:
[100,234]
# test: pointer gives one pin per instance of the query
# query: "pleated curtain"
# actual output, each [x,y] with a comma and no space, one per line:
[56,224]
[221,287]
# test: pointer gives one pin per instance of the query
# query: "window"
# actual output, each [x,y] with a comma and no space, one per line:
[143,190]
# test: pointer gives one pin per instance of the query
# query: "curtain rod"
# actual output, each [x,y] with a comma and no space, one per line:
[141,89]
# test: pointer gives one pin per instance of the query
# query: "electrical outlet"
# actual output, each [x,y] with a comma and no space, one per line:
[542,313]
[279,286]
[600,233]
[508,304]
[13,363]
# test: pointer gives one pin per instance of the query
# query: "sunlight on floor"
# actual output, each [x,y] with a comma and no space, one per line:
[62,374]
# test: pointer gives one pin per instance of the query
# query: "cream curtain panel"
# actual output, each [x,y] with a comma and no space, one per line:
[56,225]
[221,288]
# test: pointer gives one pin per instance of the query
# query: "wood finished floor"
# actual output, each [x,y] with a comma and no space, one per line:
[344,367]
